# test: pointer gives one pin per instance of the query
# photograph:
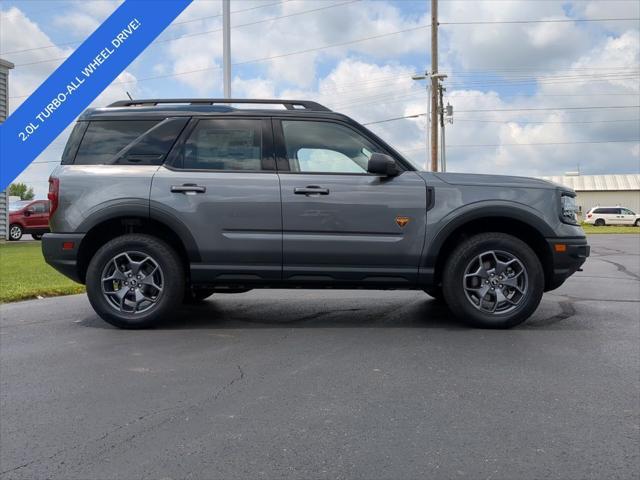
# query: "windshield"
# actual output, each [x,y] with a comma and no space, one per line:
[19,205]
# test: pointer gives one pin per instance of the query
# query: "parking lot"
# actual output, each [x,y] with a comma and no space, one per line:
[330,384]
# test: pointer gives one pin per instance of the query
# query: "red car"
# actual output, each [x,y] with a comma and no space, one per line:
[28,216]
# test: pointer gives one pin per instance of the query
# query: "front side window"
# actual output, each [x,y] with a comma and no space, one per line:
[105,138]
[230,144]
[325,147]
[38,207]
[626,211]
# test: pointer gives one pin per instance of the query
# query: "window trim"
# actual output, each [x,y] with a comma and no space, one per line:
[282,149]
[282,160]
[173,161]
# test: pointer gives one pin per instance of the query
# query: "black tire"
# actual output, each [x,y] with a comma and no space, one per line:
[36,236]
[15,232]
[636,223]
[599,222]
[169,267]
[435,293]
[196,295]
[460,301]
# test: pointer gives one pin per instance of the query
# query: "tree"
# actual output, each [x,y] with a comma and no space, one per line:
[21,190]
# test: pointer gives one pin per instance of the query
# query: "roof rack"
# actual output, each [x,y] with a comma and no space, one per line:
[288,104]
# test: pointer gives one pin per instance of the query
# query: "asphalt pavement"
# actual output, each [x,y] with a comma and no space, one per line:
[330,384]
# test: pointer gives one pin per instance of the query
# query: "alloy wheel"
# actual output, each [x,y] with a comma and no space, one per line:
[495,282]
[15,232]
[132,282]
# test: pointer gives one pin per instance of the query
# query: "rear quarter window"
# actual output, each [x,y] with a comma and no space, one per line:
[128,141]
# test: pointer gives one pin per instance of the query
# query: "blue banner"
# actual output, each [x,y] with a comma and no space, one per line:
[79,80]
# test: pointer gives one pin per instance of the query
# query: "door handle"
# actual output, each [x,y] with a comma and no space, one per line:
[311,190]
[188,188]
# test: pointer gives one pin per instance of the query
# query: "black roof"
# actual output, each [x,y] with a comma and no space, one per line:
[204,106]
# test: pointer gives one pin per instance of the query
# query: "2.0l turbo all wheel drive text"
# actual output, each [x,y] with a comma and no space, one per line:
[157,202]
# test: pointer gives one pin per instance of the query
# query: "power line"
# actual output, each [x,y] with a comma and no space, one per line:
[563,20]
[569,122]
[541,143]
[493,145]
[416,115]
[548,108]
[72,42]
[264,59]
[190,35]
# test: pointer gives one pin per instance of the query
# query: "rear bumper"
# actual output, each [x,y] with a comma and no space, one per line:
[568,255]
[60,250]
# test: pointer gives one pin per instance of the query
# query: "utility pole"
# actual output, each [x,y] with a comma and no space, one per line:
[443,159]
[226,46]
[434,85]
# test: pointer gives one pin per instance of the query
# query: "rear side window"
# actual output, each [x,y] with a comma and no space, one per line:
[609,211]
[105,138]
[230,144]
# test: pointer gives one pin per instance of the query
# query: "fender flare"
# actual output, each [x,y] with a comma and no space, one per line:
[143,210]
[468,213]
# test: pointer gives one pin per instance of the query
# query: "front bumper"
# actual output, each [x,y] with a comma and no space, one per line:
[60,250]
[568,255]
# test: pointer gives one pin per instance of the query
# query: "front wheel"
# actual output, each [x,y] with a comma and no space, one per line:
[636,223]
[15,232]
[135,280]
[493,280]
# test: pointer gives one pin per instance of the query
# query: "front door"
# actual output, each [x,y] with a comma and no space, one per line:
[38,218]
[220,184]
[340,223]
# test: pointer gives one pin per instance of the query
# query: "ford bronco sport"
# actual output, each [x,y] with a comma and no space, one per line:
[160,202]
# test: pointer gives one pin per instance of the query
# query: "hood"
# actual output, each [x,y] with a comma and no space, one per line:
[479,179]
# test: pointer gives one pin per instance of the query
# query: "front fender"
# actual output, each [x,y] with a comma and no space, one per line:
[473,212]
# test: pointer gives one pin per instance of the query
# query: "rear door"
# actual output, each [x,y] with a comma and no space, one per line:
[627,216]
[340,223]
[220,185]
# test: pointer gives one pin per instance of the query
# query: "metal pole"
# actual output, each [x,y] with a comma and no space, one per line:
[443,155]
[226,46]
[426,163]
[434,85]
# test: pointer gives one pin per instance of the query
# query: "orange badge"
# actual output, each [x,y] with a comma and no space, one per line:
[402,221]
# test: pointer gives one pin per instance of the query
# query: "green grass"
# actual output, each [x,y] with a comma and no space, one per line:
[24,274]
[610,229]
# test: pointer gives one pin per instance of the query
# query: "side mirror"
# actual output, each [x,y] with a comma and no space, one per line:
[28,212]
[381,164]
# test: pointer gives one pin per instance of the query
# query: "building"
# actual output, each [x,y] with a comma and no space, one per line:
[610,190]
[5,66]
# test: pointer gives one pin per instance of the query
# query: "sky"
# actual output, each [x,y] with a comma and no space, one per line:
[538,87]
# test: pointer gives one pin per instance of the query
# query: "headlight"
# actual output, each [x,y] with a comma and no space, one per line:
[568,208]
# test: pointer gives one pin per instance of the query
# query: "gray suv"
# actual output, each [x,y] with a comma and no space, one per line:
[160,202]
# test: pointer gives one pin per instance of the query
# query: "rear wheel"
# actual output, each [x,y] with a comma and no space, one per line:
[36,236]
[636,223]
[493,280]
[135,280]
[15,232]
[599,222]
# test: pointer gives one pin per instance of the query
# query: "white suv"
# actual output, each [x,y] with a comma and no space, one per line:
[600,216]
